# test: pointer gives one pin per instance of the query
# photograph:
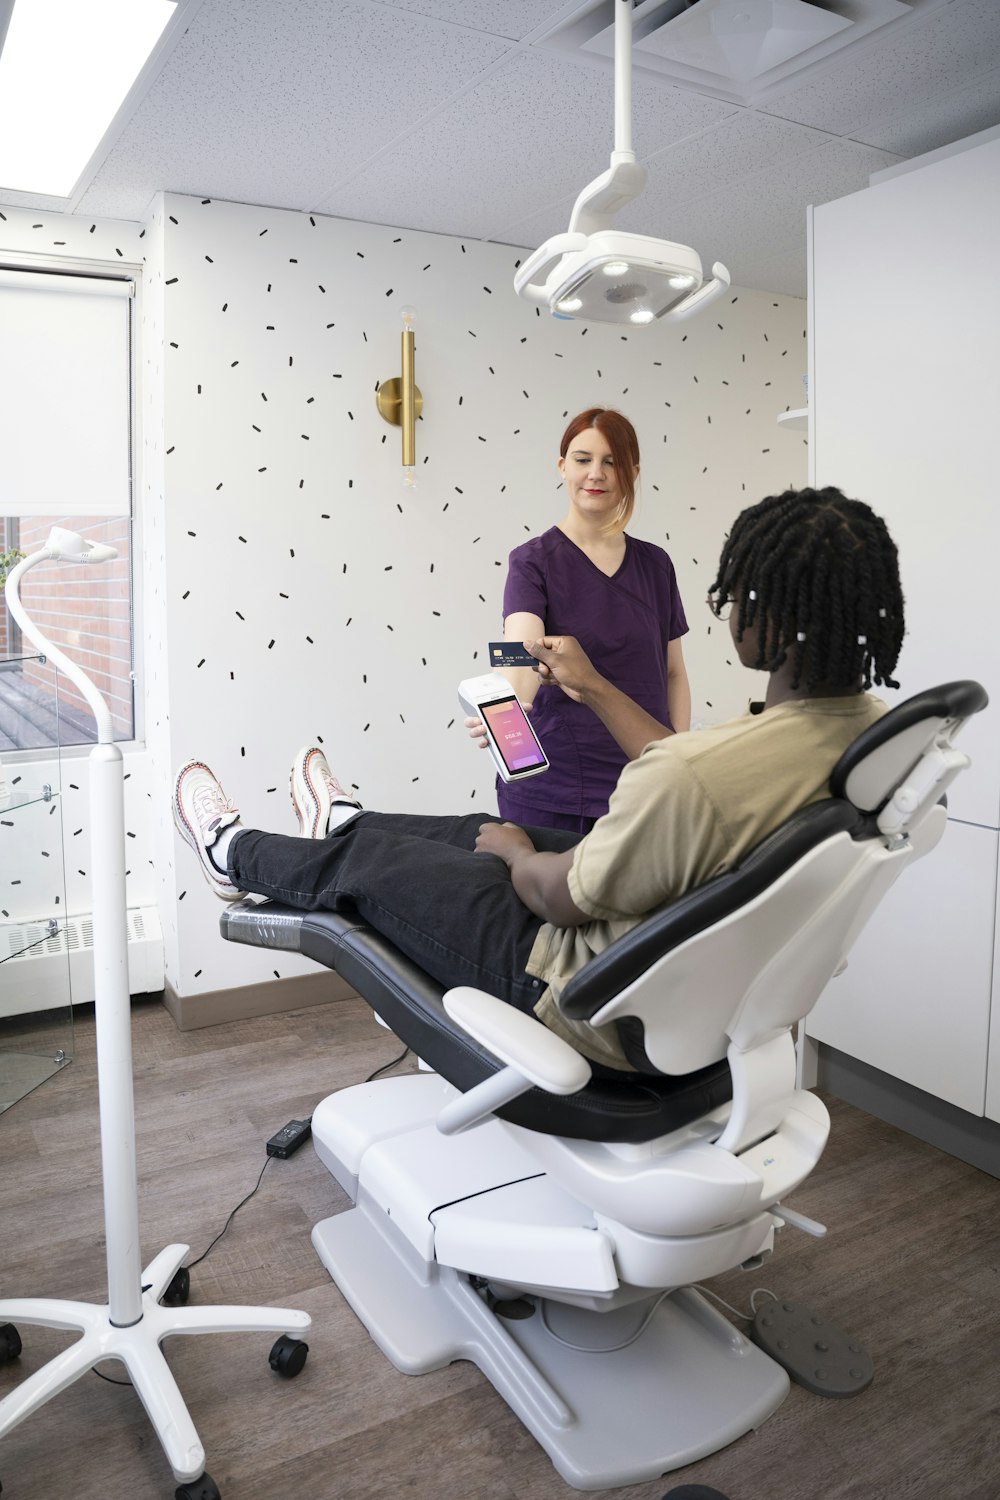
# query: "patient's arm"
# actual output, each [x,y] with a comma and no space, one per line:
[539,878]
[563,660]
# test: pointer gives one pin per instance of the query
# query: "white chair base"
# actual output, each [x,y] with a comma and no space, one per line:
[618,1383]
[689,1384]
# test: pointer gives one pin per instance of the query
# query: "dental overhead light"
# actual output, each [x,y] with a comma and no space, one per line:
[598,274]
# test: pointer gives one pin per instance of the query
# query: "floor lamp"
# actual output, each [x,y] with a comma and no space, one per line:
[135,1322]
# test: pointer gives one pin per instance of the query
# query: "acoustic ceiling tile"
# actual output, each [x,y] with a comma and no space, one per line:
[537,129]
[507,18]
[745,143]
[906,64]
[261,103]
[938,121]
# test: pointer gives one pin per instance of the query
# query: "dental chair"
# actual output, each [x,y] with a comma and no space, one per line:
[546,1220]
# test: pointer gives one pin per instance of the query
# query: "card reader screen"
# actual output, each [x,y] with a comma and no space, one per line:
[512,735]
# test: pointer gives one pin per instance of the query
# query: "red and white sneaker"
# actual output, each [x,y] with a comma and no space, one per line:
[201,812]
[315,790]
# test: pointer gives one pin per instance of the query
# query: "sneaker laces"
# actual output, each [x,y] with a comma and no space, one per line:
[337,792]
[210,805]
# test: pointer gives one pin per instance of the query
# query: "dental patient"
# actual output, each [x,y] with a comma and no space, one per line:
[809,583]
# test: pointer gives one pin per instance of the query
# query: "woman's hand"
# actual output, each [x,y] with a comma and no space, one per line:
[477,731]
[506,840]
[563,661]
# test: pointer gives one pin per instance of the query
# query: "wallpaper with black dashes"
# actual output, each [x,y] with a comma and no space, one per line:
[295,591]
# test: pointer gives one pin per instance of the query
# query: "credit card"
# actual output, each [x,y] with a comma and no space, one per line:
[509,654]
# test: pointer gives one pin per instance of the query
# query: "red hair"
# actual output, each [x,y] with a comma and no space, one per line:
[619,434]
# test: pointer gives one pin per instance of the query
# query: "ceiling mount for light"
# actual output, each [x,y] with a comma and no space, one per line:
[599,274]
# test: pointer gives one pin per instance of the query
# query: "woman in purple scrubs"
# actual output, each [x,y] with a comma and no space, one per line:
[618,596]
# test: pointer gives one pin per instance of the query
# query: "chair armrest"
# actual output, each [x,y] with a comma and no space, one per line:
[534,1056]
[518,1040]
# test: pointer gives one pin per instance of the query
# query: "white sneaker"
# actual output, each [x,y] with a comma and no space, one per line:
[314,790]
[201,812]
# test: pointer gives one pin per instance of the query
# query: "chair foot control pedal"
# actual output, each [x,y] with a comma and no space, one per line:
[816,1354]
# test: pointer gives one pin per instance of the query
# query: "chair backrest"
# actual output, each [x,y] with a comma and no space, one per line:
[740,960]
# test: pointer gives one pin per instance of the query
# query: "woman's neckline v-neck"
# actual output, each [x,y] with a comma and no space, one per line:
[586,556]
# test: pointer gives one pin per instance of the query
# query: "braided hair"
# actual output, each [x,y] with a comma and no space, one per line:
[820,572]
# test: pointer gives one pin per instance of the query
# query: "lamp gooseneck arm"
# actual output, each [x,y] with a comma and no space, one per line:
[95,702]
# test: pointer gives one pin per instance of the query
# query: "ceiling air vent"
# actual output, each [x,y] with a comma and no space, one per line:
[741,50]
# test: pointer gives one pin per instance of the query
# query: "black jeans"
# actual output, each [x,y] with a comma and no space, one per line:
[418,881]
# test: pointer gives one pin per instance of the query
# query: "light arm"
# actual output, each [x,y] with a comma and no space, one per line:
[65,546]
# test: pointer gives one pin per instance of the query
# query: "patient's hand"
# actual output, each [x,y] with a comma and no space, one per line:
[504,839]
[561,659]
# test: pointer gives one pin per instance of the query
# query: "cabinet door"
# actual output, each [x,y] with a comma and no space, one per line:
[905,396]
[914,1000]
[993,1067]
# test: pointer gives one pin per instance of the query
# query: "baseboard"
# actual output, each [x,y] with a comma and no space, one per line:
[971,1138]
[190,1012]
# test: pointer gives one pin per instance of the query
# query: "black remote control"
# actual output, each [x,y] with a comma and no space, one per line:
[289,1138]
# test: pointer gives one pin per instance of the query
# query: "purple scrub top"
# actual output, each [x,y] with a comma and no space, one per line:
[623,623]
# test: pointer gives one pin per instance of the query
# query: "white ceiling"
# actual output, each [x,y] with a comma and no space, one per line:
[470,118]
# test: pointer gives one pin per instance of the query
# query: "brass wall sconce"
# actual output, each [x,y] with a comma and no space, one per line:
[400,402]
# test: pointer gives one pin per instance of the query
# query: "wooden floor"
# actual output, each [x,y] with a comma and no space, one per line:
[911,1266]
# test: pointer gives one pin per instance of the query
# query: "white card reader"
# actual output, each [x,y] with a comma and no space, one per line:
[513,744]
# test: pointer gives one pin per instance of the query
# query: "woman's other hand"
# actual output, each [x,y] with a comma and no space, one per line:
[477,731]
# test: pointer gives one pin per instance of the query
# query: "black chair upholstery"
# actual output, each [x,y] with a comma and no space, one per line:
[613,1107]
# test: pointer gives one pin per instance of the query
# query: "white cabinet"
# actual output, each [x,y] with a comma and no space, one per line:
[904,395]
[914,999]
[993,1062]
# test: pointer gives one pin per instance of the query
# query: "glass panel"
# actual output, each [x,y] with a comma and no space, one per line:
[87,612]
[36,938]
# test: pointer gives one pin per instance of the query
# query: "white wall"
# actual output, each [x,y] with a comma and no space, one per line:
[295,591]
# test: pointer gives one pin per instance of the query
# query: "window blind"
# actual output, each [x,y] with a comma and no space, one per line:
[64,395]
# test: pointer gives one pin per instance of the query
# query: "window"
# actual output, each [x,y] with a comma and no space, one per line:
[65,435]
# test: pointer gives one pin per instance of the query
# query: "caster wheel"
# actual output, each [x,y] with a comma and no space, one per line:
[204,1488]
[10,1343]
[179,1290]
[288,1356]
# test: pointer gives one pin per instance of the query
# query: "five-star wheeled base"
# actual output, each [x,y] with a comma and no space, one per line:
[138,1348]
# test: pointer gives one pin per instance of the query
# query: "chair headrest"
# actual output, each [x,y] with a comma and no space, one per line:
[881,757]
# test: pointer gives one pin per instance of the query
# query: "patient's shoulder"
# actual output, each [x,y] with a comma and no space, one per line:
[779,736]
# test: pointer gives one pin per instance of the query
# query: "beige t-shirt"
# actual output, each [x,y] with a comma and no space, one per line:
[690,807]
